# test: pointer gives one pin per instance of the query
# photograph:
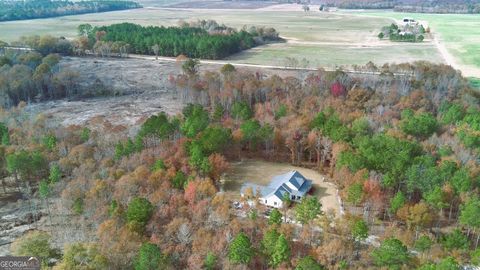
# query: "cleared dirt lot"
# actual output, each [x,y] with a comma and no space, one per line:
[142,88]
[261,172]
[141,85]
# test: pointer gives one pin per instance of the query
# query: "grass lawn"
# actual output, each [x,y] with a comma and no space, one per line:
[261,172]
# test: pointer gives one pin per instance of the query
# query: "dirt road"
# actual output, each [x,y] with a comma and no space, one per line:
[467,71]
[273,67]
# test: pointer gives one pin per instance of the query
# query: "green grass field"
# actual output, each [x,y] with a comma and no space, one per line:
[325,39]
[318,27]
[322,56]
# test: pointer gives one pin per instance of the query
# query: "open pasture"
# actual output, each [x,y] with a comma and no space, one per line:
[331,55]
[315,26]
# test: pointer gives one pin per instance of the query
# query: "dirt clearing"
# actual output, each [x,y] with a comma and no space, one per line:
[260,173]
[141,87]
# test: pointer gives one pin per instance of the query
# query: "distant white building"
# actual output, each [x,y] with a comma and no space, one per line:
[291,184]
[409,21]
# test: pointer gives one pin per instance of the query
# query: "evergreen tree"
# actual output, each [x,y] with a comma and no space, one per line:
[308,263]
[392,254]
[308,209]
[275,217]
[210,261]
[85,135]
[359,230]
[240,250]
[269,241]
[150,258]
[281,252]
[139,211]
[55,174]
[397,202]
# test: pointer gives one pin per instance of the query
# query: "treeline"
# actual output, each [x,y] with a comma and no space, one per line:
[32,9]
[419,6]
[35,75]
[210,41]
[200,39]
[31,77]
[439,6]
[365,4]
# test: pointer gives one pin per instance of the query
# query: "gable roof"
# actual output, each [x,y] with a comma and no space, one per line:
[292,177]
[291,182]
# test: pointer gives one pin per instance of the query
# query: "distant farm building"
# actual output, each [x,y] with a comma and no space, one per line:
[292,185]
[408,21]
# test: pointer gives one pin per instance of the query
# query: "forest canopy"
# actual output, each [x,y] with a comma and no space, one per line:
[32,9]
[420,6]
[204,39]
[402,151]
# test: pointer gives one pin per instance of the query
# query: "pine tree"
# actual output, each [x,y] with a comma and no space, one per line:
[281,253]
[150,258]
[275,217]
[269,242]
[241,251]
[210,261]
[308,209]
[55,174]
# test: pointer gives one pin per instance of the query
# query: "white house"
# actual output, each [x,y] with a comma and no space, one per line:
[409,22]
[291,184]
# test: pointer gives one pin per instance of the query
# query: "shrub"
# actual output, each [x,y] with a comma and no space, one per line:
[35,243]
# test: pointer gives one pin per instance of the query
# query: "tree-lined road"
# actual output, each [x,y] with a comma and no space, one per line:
[224,62]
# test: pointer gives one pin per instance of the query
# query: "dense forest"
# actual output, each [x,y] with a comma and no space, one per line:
[365,4]
[440,6]
[402,149]
[33,9]
[422,6]
[204,39]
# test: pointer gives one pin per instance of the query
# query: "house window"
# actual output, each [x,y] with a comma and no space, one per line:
[274,203]
[265,201]
[293,197]
[299,197]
